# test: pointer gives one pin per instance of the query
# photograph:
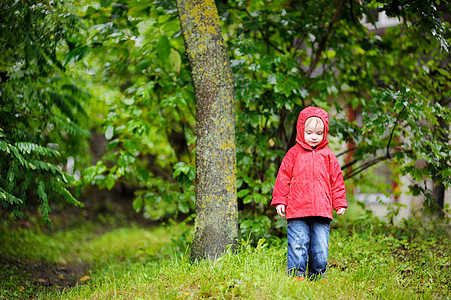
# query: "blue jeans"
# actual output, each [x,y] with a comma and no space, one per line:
[308,241]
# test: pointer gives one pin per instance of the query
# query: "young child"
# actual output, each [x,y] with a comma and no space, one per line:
[308,186]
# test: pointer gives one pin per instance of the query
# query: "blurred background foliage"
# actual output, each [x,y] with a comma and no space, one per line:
[96,95]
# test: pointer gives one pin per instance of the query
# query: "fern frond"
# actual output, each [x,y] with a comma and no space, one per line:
[4,146]
[75,103]
[10,176]
[67,179]
[45,166]
[35,148]
[77,91]
[52,58]
[14,151]
[69,126]
[17,213]
[59,102]
[41,191]
[20,158]
[45,208]
[9,198]
[65,193]
[74,95]
[25,185]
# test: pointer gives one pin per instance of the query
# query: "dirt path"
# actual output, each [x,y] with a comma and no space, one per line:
[47,275]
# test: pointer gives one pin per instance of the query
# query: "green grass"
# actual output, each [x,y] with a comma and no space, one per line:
[149,263]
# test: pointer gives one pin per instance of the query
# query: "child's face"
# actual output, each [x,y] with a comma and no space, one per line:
[313,131]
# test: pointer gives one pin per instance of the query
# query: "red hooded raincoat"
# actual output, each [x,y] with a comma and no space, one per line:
[310,182]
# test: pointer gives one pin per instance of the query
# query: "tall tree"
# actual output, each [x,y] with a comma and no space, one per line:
[216,206]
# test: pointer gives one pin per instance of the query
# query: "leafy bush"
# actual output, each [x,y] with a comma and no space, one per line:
[42,115]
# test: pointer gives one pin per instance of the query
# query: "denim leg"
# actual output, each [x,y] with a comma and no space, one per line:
[319,246]
[298,233]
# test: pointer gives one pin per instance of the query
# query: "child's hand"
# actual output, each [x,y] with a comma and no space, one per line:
[281,210]
[341,211]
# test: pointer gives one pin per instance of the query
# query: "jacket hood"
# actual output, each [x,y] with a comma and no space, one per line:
[306,113]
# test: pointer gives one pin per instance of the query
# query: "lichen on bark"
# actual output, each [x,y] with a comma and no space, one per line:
[216,225]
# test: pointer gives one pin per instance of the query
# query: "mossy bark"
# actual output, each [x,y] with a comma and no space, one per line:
[216,225]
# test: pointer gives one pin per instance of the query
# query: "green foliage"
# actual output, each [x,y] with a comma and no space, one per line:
[285,55]
[42,111]
[185,174]
[317,54]
[254,229]
[403,126]
[148,118]
[309,53]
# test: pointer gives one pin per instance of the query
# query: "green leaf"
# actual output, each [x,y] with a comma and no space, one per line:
[265,221]
[111,145]
[89,173]
[110,181]
[176,60]
[247,199]
[11,199]
[266,187]
[142,175]
[242,193]
[109,132]
[65,193]
[142,65]
[259,198]
[75,55]
[31,147]
[138,204]
[183,207]
[163,47]
[105,3]
[131,146]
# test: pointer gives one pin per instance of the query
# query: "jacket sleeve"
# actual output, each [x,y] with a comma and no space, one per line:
[283,181]
[337,184]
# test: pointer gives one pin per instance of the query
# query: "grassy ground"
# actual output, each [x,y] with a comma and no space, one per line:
[131,262]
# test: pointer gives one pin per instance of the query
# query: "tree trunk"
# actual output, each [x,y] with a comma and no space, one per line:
[216,225]
[438,191]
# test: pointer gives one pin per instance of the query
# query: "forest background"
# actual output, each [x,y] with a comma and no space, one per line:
[98,109]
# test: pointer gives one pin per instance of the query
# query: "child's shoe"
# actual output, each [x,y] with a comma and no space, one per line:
[300,278]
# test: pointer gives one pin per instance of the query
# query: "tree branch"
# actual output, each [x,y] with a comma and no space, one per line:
[322,44]
[346,151]
[352,12]
[349,164]
[393,131]
[364,166]
[265,37]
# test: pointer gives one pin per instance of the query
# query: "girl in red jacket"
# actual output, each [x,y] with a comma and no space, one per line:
[308,186]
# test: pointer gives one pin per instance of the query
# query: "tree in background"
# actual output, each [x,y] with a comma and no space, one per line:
[216,208]
[42,115]
[144,105]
